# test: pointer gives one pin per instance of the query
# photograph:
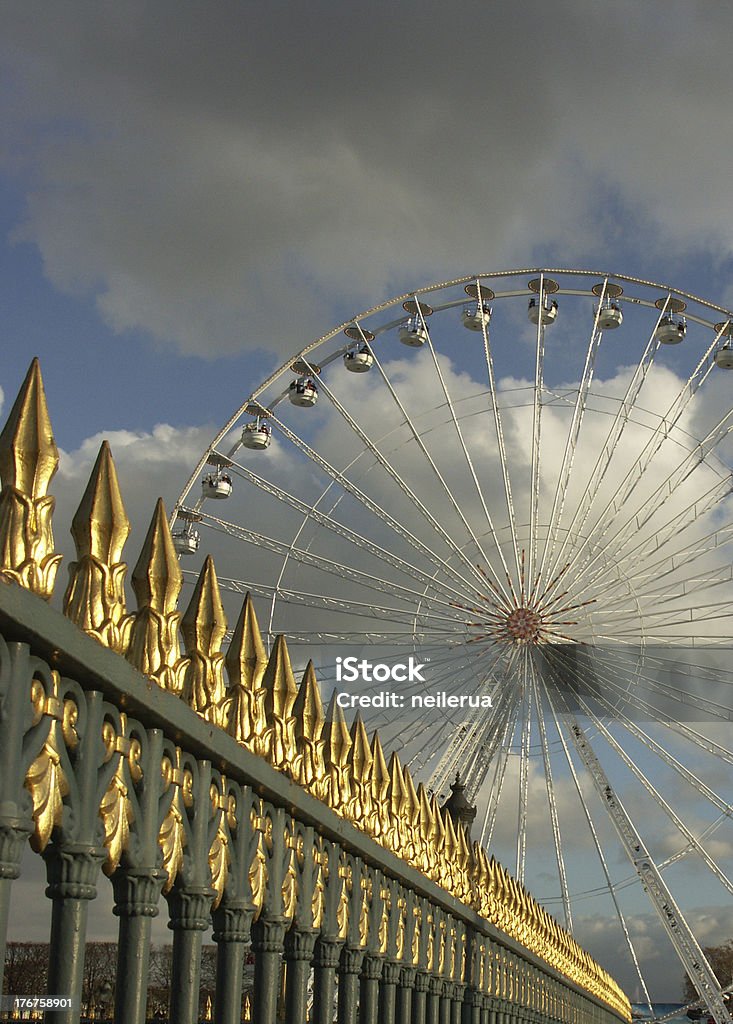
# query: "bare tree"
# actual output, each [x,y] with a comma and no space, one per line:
[720,959]
[26,968]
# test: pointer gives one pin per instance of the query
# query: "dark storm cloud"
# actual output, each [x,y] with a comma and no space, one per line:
[195,166]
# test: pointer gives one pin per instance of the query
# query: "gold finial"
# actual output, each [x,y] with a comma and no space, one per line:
[280,693]
[95,596]
[360,765]
[337,744]
[246,661]
[309,719]
[397,835]
[396,788]
[156,579]
[380,782]
[203,627]
[28,460]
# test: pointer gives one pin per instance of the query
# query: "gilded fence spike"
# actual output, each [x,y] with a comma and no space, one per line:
[360,764]
[280,693]
[309,720]
[203,627]
[397,834]
[28,460]
[337,744]
[246,661]
[426,833]
[95,595]
[157,580]
[380,782]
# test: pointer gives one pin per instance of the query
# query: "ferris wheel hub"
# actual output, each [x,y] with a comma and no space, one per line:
[523,625]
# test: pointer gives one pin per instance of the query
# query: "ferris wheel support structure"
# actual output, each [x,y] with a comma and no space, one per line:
[678,931]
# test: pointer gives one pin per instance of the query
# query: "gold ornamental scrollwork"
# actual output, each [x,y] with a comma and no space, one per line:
[346,878]
[220,856]
[172,836]
[115,808]
[46,779]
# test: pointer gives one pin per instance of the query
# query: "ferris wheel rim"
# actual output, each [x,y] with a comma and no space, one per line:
[412,294]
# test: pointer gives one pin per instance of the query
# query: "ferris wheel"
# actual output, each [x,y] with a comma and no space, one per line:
[504,504]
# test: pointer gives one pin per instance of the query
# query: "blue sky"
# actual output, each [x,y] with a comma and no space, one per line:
[188,198]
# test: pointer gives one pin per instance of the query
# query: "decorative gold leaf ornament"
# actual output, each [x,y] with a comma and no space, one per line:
[115,808]
[220,857]
[45,779]
[172,836]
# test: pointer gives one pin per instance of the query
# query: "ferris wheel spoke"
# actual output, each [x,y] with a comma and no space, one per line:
[611,888]
[313,561]
[698,786]
[377,510]
[680,728]
[536,437]
[571,444]
[610,446]
[663,430]
[501,444]
[360,609]
[667,691]
[501,762]
[353,538]
[552,803]
[386,465]
[673,921]
[467,459]
[498,582]
[669,564]
[666,490]
[661,544]
[480,749]
[526,734]
[677,588]
[468,736]
[658,799]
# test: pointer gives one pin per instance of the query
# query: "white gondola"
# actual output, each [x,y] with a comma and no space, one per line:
[256,435]
[186,541]
[609,316]
[724,355]
[548,311]
[671,330]
[303,392]
[414,332]
[216,485]
[476,316]
[359,360]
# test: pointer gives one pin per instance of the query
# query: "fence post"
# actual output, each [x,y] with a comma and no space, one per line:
[24,726]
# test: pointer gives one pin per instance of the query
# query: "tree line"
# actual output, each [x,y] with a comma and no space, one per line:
[26,971]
